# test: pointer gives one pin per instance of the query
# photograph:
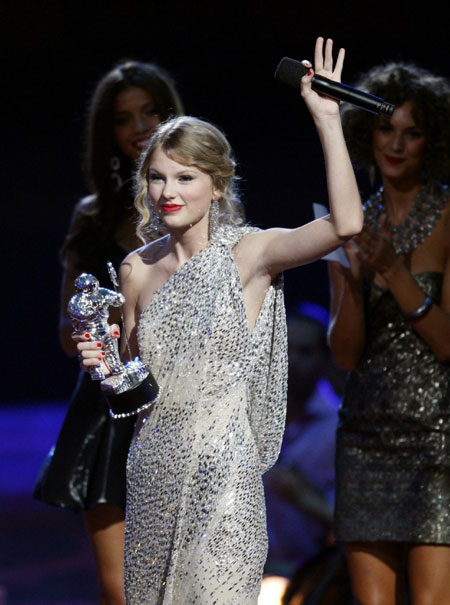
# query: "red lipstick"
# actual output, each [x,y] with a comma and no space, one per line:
[394,160]
[171,207]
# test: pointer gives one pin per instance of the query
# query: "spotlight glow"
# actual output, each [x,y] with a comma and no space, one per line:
[272,590]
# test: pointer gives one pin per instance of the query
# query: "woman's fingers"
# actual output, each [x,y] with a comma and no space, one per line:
[323,58]
[114,331]
[337,73]
[318,54]
[90,352]
[328,62]
[306,79]
[81,336]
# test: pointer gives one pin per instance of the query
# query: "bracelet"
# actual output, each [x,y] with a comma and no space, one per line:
[420,311]
[134,412]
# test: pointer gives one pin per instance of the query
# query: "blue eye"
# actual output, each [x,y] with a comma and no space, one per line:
[186,178]
[155,177]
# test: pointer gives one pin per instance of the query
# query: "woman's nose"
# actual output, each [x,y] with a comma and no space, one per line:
[169,190]
[397,142]
[141,124]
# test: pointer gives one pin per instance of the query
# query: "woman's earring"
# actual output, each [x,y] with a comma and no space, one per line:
[213,218]
[155,222]
[115,174]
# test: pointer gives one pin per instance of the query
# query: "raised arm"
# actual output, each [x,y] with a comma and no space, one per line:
[345,204]
[278,249]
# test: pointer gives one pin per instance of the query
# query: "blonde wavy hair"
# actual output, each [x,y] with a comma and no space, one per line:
[191,142]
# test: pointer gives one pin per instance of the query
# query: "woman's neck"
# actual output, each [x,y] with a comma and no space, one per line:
[183,244]
[399,198]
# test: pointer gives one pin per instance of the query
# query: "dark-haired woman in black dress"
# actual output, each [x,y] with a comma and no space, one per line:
[85,471]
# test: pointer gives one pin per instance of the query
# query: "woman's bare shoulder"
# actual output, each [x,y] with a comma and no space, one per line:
[86,206]
[142,259]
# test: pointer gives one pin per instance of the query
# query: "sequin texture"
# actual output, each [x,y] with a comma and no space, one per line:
[393,449]
[195,527]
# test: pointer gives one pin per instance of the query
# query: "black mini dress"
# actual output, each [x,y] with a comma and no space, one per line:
[86,467]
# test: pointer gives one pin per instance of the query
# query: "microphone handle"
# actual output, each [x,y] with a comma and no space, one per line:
[289,71]
[342,92]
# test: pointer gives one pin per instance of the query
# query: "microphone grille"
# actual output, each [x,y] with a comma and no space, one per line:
[289,71]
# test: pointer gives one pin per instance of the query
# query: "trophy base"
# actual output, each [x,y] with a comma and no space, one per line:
[131,392]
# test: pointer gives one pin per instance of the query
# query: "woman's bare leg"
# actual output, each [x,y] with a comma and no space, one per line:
[429,574]
[376,571]
[106,527]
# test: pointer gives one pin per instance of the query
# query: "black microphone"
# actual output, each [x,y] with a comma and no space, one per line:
[289,71]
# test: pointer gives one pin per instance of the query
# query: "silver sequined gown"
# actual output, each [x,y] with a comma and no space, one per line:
[196,526]
[393,447]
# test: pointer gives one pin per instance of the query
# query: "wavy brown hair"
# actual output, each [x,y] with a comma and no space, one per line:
[398,83]
[94,223]
[192,142]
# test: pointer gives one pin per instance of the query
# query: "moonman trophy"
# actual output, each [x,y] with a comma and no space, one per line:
[130,387]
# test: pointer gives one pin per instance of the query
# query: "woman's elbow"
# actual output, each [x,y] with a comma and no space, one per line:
[350,228]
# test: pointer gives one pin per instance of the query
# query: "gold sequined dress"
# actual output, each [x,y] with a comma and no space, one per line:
[393,446]
[196,526]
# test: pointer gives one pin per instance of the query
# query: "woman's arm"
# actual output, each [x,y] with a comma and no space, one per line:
[90,352]
[434,327]
[70,273]
[67,291]
[346,332]
[275,250]
[85,208]
[129,286]
[378,254]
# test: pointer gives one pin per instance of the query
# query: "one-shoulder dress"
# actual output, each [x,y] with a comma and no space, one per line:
[195,520]
[393,445]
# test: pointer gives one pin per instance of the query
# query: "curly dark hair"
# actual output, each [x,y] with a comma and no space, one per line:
[398,83]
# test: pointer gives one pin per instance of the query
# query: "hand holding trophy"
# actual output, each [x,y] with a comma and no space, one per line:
[129,388]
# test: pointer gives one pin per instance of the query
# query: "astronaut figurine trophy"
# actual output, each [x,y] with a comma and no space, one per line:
[130,387]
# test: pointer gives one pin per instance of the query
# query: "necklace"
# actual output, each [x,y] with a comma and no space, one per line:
[417,225]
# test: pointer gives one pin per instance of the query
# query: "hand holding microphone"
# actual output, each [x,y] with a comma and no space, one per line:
[289,71]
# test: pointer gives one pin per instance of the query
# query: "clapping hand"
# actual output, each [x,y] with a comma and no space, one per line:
[375,249]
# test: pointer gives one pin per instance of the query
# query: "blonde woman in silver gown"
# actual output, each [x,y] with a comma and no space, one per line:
[204,309]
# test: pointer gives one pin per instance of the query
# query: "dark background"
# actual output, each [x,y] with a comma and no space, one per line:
[222,56]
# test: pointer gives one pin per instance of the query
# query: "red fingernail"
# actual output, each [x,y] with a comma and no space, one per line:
[103,353]
[99,344]
[310,72]
[116,333]
[87,335]
[99,358]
